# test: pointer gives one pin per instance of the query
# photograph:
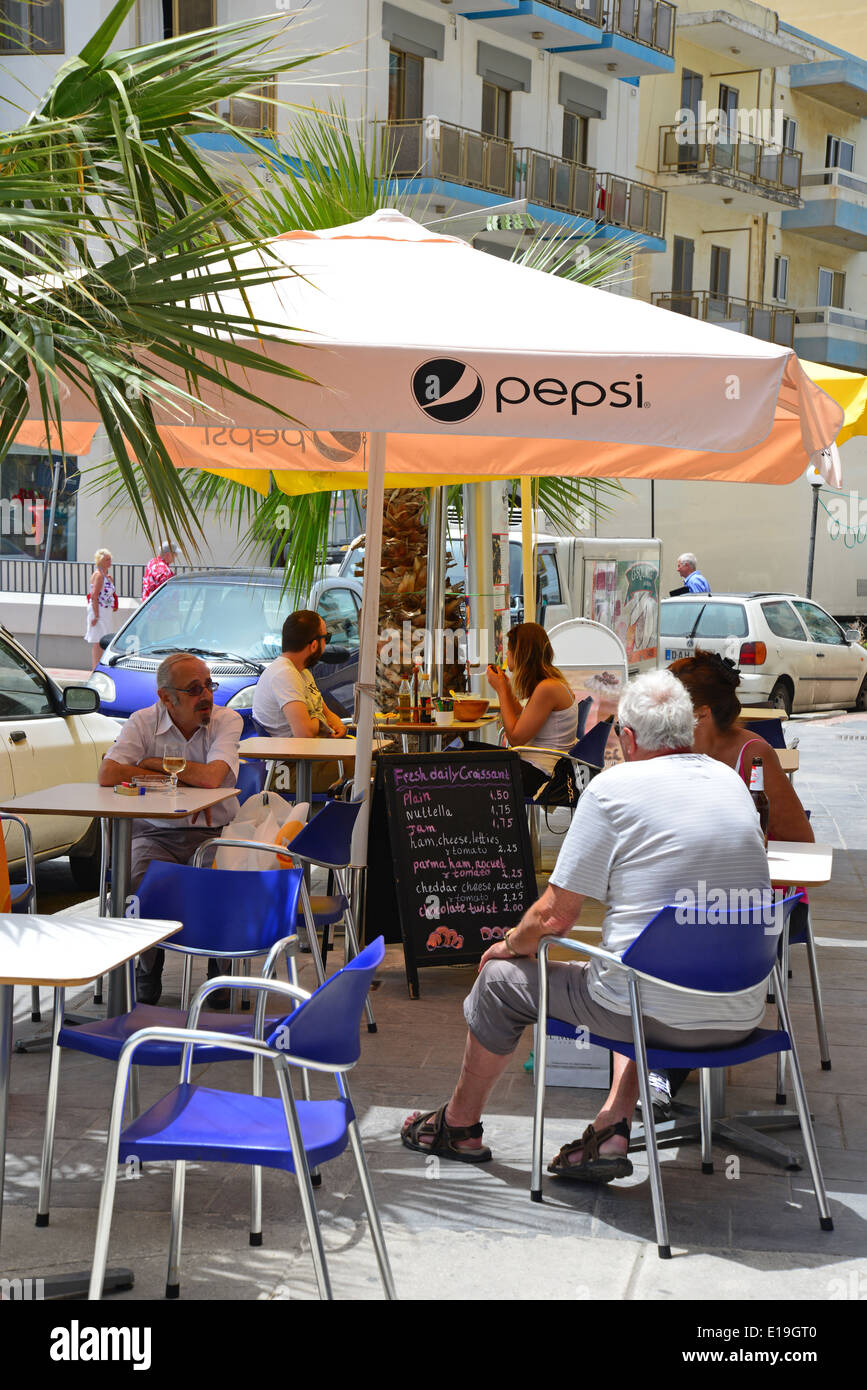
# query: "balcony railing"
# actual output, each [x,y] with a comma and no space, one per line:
[756,161]
[765,321]
[835,178]
[650,22]
[432,148]
[831,318]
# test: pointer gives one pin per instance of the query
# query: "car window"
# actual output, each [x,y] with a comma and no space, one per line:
[23,689]
[243,619]
[783,622]
[820,626]
[722,620]
[547,577]
[678,619]
[338,609]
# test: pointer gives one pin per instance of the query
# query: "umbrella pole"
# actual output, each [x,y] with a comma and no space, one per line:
[49,537]
[527,554]
[434,619]
[368,638]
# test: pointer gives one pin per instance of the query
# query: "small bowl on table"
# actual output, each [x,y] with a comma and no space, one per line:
[472,708]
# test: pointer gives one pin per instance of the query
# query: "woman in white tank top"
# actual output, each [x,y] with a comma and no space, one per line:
[549,718]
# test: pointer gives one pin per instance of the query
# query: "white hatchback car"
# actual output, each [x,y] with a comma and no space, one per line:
[47,736]
[791,653]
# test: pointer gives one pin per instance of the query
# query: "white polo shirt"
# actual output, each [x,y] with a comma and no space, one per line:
[146,733]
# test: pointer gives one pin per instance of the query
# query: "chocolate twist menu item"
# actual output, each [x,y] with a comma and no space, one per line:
[462,860]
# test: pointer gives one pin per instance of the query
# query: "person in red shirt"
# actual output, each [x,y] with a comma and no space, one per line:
[158,570]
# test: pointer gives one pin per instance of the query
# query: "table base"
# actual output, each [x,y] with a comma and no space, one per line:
[742,1131]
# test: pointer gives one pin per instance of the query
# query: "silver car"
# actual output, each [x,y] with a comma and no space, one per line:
[791,653]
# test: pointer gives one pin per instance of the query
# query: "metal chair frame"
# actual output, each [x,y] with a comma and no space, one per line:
[633,977]
[283,1062]
[30,896]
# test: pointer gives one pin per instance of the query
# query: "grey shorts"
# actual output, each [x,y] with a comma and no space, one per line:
[505,999]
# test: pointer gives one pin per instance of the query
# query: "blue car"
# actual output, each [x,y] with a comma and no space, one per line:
[233,621]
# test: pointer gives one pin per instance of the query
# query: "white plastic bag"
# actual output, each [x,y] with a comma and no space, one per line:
[260,818]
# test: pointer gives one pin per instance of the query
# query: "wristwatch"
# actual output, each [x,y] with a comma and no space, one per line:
[506,936]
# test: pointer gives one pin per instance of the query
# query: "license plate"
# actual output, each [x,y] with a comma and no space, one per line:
[675,653]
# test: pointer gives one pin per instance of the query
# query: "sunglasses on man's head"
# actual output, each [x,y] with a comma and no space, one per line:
[196,688]
[620,728]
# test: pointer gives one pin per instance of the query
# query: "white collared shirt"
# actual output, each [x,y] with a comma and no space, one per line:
[147,731]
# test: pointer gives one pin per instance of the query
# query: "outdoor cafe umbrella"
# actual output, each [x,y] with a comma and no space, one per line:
[452,361]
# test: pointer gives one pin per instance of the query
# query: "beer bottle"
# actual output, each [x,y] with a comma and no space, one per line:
[760,796]
[425,699]
[416,713]
[404,700]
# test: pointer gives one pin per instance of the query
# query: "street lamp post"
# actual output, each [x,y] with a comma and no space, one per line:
[815,480]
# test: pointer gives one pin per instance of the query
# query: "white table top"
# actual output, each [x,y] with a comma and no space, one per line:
[797,864]
[299,749]
[454,726]
[60,951]
[88,799]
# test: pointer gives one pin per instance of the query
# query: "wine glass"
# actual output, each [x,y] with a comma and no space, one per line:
[174,761]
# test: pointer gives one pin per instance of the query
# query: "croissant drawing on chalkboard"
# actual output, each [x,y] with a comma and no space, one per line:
[444,936]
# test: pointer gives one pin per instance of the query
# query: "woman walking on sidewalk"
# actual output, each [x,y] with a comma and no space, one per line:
[101,603]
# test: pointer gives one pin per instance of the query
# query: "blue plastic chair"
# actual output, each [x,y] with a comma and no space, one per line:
[325,842]
[698,958]
[590,747]
[198,1124]
[771,730]
[224,913]
[251,778]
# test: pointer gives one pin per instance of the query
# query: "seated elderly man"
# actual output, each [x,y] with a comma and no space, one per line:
[183,718]
[665,820]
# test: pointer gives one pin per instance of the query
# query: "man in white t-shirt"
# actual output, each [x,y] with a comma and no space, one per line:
[665,821]
[287,701]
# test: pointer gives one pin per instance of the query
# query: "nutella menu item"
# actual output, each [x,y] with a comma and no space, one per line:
[460,847]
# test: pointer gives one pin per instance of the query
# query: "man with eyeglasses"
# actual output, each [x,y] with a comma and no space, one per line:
[287,701]
[183,719]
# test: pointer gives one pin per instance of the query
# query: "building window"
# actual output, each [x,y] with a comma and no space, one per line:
[405,86]
[186,16]
[728,105]
[25,499]
[790,133]
[839,154]
[832,288]
[681,275]
[496,111]
[254,110]
[575,131]
[31,28]
[781,277]
[720,258]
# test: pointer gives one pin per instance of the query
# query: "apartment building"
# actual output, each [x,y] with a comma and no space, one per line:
[502,114]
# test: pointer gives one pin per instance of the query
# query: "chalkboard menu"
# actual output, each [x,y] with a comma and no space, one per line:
[460,850]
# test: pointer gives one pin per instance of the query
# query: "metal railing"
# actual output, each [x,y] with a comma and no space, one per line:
[628,203]
[72,577]
[555,183]
[766,321]
[759,163]
[827,315]
[430,147]
[835,178]
[650,22]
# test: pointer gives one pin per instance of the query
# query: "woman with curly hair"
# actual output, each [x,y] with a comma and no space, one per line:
[712,682]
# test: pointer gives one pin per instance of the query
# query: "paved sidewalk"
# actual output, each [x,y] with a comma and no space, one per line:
[456,1232]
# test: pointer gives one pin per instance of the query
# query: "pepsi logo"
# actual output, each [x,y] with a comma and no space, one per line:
[446,390]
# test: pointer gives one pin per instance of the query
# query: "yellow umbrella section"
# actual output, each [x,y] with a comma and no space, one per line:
[848,389]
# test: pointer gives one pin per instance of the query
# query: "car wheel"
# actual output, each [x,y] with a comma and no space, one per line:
[85,871]
[861,697]
[781,697]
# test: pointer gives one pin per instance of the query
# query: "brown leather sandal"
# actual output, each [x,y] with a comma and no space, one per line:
[445,1138]
[594,1167]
